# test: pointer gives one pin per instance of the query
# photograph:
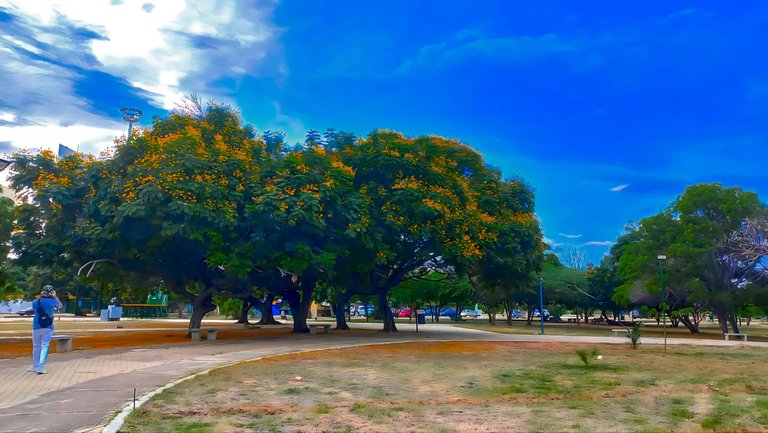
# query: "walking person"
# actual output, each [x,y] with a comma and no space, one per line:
[42,327]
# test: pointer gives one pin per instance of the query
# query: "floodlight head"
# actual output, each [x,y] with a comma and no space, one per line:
[662,257]
[131,114]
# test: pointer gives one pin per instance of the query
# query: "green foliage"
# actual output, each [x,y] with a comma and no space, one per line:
[566,285]
[691,233]
[634,334]
[587,355]
[199,201]
[230,307]
[322,409]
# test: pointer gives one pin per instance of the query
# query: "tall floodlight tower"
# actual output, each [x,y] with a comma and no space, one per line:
[131,115]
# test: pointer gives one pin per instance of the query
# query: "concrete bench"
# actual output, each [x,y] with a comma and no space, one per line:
[210,333]
[63,342]
[727,336]
[617,331]
[314,327]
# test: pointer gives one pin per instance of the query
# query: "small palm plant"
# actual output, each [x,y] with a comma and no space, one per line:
[587,355]
[634,334]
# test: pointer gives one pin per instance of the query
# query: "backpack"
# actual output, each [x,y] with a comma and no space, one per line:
[43,319]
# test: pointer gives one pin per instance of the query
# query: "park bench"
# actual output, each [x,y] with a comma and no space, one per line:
[727,336]
[210,333]
[313,328]
[617,331]
[63,342]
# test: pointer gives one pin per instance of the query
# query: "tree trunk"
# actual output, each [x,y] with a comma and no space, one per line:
[201,305]
[493,318]
[247,305]
[386,312]
[266,311]
[342,309]
[722,319]
[674,321]
[696,317]
[692,326]
[300,301]
[732,321]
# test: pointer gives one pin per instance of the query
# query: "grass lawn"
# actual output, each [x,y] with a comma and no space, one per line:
[474,386]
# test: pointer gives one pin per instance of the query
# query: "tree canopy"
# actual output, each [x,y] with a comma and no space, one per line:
[202,203]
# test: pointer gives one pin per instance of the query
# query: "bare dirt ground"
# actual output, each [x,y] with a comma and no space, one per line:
[93,335]
[473,387]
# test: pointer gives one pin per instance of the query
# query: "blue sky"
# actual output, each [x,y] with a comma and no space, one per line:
[608,109]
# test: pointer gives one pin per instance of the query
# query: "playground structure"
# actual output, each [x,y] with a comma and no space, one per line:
[156,307]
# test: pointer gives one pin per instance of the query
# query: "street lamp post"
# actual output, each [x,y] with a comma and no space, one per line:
[541,303]
[131,115]
[662,258]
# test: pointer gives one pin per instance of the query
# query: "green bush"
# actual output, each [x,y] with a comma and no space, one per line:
[587,355]
[634,334]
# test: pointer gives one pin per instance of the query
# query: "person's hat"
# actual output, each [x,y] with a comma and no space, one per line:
[48,291]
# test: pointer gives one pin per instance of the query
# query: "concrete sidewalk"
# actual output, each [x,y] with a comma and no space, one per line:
[83,390]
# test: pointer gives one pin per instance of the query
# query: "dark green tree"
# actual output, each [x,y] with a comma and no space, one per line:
[692,232]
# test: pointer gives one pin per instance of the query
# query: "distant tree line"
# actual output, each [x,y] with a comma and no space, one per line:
[214,211]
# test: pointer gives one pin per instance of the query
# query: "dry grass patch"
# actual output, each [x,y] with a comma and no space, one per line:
[473,387]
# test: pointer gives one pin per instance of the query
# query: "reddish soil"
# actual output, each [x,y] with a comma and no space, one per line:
[100,340]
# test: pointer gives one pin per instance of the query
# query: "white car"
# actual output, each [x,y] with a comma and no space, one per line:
[474,314]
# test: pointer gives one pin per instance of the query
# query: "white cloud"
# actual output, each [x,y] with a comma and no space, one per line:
[90,139]
[41,108]
[175,43]
[569,236]
[619,188]
[468,44]
[597,243]
[51,50]
[21,44]
[551,243]
[293,127]
[684,13]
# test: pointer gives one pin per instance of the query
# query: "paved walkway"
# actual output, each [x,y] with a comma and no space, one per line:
[83,390]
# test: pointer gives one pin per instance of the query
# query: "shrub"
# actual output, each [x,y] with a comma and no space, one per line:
[634,334]
[586,355]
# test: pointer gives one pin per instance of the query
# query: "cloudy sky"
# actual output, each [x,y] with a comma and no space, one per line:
[608,109]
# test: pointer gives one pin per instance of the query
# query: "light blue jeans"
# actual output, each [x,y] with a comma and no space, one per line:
[41,341]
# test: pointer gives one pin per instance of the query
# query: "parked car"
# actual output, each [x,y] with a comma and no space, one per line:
[404,313]
[516,314]
[636,314]
[537,314]
[450,312]
[361,310]
[29,311]
[474,314]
